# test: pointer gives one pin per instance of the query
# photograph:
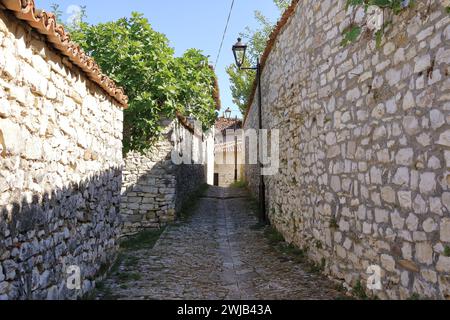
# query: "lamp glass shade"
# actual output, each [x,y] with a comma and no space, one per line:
[228,113]
[239,51]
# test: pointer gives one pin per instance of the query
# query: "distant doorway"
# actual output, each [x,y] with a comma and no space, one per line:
[216,179]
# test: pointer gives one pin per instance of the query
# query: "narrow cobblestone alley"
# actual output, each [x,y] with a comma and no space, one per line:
[215,254]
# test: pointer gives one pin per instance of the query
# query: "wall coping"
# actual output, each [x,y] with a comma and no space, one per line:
[288,13]
[45,24]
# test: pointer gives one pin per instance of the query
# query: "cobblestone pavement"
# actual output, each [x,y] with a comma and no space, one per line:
[215,254]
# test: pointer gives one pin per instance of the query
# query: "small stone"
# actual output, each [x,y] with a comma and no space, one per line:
[429,225]
[443,264]
[379,133]
[434,163]
[388,262]
[383,156]
[12,136]
[419,205]
[425,33]
[393,76]
[353,94]
[87,155]
[5,110]
[446,200]
[388,194]
[436,205]
[427,182]
[399,56]
[367,228]
[405,157]
[381,216]
[409,265]
[344,225]
[333,151]
[10,68]
[447,158]
[405,199]
[389,48]
[445,230]
[397,221]
[41,66]
[331,138]
[424,139]
[408,101]
[2,276]
[424,253]
[33,148]
[437,119]
[422,63]
[445,139]
[375,176]
[379,111]
[401,178]
[411,125]
[412,222]
[335,183]
[429,275]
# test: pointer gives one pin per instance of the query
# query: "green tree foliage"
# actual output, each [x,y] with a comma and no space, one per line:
[158,84]
[242,80]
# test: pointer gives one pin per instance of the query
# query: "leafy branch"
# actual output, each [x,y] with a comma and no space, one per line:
[158,84]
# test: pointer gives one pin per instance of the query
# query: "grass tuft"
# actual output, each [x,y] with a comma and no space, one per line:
[447,251]
[241,184]
[191,202]
[358,291]
[143,240]
[273,235]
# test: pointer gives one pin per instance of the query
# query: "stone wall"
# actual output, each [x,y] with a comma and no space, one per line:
[226,174]
[154,187]
[365,145]
[60,169]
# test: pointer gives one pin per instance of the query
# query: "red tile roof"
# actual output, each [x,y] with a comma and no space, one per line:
[270,43]
[45,23]
[222,124]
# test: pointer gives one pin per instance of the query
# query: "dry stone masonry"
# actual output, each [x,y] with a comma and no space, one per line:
[365,150]
[155,188]
[60,169]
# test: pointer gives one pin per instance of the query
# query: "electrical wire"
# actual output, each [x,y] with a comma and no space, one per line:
[224,33]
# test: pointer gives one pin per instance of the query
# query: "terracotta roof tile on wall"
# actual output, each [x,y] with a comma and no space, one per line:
[270,43]
[45,23]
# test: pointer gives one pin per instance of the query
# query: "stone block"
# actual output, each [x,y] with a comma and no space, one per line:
[444,139]
[445,230]
[424,253]
[13,137]
[388,194]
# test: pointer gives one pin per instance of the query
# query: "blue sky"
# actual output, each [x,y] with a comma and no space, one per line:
[187,24]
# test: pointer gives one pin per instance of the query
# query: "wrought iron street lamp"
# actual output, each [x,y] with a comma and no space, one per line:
[239,51]
[228,113]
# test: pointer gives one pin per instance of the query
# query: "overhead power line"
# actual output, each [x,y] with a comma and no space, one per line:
[224,33]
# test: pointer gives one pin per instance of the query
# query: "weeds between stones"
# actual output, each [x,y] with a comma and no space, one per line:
[297,255]
[126,260]
[447,251]
[143,240]
[358,291]
[240,184]
[191,203]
